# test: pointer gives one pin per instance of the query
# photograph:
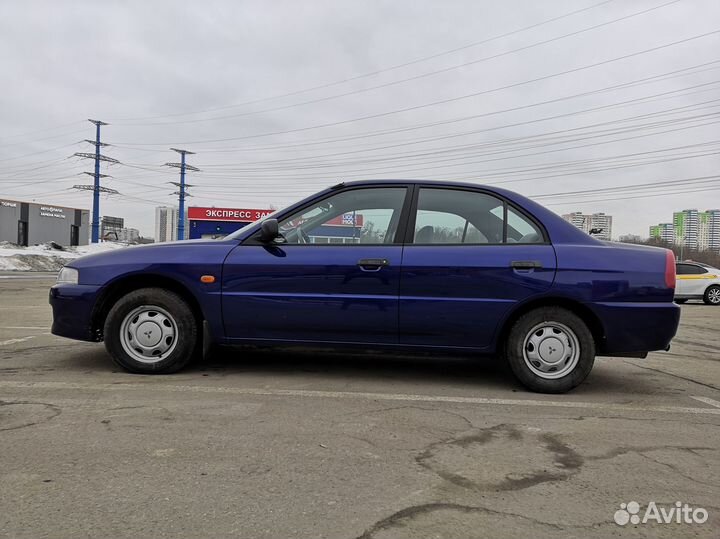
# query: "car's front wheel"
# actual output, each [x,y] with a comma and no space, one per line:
[550,350]
[151,331]
[712,295]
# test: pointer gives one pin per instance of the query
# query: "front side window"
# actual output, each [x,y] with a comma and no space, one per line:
[454,216]
[368,216]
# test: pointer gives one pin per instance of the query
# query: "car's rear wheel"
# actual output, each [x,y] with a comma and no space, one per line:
[550,350]
[712,295]
[680,301]
[151,331]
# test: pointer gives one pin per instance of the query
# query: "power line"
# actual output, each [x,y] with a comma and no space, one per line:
[376,72]
[487,176]
[448,100]
[646,80]
[45,138]
[417,77]
[39,152]
[632,187]
[312,162]
[425,165]
[666,193]
[662,95]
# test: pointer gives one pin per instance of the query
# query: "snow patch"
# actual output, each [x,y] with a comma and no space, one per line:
[44,257]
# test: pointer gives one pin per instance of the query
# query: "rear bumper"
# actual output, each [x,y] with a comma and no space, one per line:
[636,327]
[72,307]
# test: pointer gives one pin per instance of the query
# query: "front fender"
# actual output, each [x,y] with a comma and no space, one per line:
[182,263]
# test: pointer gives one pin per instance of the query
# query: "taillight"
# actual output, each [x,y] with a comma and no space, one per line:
[669,269]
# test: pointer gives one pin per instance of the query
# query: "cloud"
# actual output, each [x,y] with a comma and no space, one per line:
[141,66]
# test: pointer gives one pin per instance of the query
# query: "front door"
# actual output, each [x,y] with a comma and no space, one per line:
[334,279]
[471,257]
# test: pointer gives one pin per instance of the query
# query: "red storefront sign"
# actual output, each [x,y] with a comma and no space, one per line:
[347,219]
[196,213]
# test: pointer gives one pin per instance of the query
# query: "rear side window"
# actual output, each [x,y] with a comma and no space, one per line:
[689,269]
[520,229]
[454,217]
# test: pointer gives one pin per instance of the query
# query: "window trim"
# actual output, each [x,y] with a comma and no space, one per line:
[253,239]
[409,236]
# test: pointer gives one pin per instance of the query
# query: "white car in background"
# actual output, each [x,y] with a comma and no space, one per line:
[697,281]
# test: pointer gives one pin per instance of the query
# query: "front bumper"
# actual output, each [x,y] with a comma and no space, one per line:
[72,306]
[636,327]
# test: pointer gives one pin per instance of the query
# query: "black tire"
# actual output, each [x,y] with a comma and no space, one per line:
[680,301]
[712,295]
[523,329]
[185,333]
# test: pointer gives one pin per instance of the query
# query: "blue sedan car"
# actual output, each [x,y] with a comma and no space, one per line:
[382,264]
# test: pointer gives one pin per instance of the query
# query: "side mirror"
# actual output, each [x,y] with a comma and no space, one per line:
[269,230]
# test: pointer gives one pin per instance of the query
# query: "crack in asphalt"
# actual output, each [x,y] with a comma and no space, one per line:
[677,470]
[697,344]
[409,513]
[673,375]
[565,456]
[567,459]
[404,516]
[53,409]
[414,407]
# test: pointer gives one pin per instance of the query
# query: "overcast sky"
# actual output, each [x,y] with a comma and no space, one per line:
[280,99]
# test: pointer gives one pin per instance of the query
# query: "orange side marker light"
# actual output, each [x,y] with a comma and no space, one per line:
[207,279]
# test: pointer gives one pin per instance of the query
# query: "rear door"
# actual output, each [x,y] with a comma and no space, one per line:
[470,257]
[691,280]
[335,279]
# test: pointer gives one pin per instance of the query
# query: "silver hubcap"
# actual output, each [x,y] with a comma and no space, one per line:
[714,295]
[551,350]
[148,334]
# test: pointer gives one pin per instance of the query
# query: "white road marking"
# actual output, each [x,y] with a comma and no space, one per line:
[707,400]
[39,275]
[20,339]
[598,406]
[23,327]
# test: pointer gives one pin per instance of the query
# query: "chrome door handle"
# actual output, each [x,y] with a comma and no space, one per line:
[373,264]
[525,265]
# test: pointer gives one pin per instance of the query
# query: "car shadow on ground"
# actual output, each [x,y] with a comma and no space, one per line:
[422,369]
[370,366]
[372,371]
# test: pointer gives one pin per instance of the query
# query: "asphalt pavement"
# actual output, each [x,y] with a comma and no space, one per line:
[283,444]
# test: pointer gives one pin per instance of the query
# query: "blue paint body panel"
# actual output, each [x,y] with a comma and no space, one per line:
[311,292]
[430,296]
[455,295]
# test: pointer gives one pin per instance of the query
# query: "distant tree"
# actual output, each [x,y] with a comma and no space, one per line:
[368,234]
[631,238]
[711,258]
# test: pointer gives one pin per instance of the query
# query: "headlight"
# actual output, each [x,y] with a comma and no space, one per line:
[67,276]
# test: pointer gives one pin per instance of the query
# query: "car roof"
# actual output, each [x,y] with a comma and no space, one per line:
[391,181]
[699,264]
